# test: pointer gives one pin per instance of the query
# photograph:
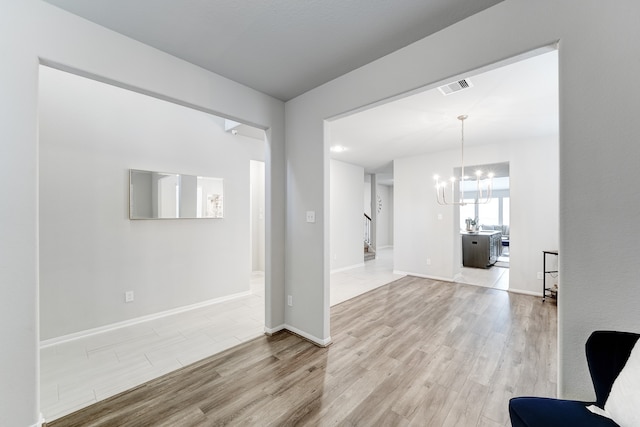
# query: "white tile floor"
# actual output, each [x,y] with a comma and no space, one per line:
[493,277]
[496,276]
[356,281]
[81,372]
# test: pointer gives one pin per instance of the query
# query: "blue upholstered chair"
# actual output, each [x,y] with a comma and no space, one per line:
[607,353]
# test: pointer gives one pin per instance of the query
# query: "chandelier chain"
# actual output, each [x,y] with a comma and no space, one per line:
[481,196]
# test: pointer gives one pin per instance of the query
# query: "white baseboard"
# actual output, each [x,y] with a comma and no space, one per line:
[271,331]
[99,330]
[284,327]
[523,292]
[338,270]
[424,276]
[41,422]
[385,247]
[318,341]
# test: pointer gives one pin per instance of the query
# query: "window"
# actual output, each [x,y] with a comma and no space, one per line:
[490,213]
[467,211]
[496,212]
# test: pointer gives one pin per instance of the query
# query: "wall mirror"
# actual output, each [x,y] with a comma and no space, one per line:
[163,195]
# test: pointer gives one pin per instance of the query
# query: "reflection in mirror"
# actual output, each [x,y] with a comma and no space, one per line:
[159,195]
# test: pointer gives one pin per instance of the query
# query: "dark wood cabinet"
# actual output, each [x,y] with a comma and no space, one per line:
[481,249]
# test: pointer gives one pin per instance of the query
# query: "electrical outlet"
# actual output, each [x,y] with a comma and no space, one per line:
[428,261]
[128,296]
[539,275]
[289,300]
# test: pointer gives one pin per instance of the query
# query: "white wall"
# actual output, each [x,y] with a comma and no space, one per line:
[598,156]
[420,234]
[257,216]
[383,220]
[384,232]
[35,31]
[91,134]
[346,215]
[534,204]
[367,194]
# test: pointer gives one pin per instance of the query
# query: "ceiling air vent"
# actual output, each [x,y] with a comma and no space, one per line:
[450,88]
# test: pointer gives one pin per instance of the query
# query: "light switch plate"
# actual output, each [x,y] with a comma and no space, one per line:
[311,216]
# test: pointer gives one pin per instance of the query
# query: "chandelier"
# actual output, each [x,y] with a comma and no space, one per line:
[483,185]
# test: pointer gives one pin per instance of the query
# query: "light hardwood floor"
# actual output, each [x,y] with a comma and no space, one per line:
[413,352]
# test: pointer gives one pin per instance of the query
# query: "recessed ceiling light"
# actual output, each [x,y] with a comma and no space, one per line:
[338,149]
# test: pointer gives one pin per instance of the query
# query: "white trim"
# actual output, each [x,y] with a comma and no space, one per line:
[271,331]
[523,292]
[338,270]
[424,276]
[285,327]
[40,422]
[99,330]
[321,342]
[385,247]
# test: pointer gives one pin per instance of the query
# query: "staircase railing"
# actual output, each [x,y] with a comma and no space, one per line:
[367,229]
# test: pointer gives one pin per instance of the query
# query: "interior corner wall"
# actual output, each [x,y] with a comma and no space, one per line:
[346,215]
[598,155]
[36,32]
[91,253]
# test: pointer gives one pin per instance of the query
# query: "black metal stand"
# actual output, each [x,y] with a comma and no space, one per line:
[544,275]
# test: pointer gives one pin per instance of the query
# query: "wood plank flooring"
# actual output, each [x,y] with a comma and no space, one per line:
[415,352]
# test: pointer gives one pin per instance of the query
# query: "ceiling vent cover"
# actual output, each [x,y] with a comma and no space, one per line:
[450,88]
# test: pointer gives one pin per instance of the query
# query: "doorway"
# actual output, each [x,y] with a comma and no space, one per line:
[485,229]
[419,135]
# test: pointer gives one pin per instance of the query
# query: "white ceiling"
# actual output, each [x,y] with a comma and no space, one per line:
[514,103]
[280,47]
